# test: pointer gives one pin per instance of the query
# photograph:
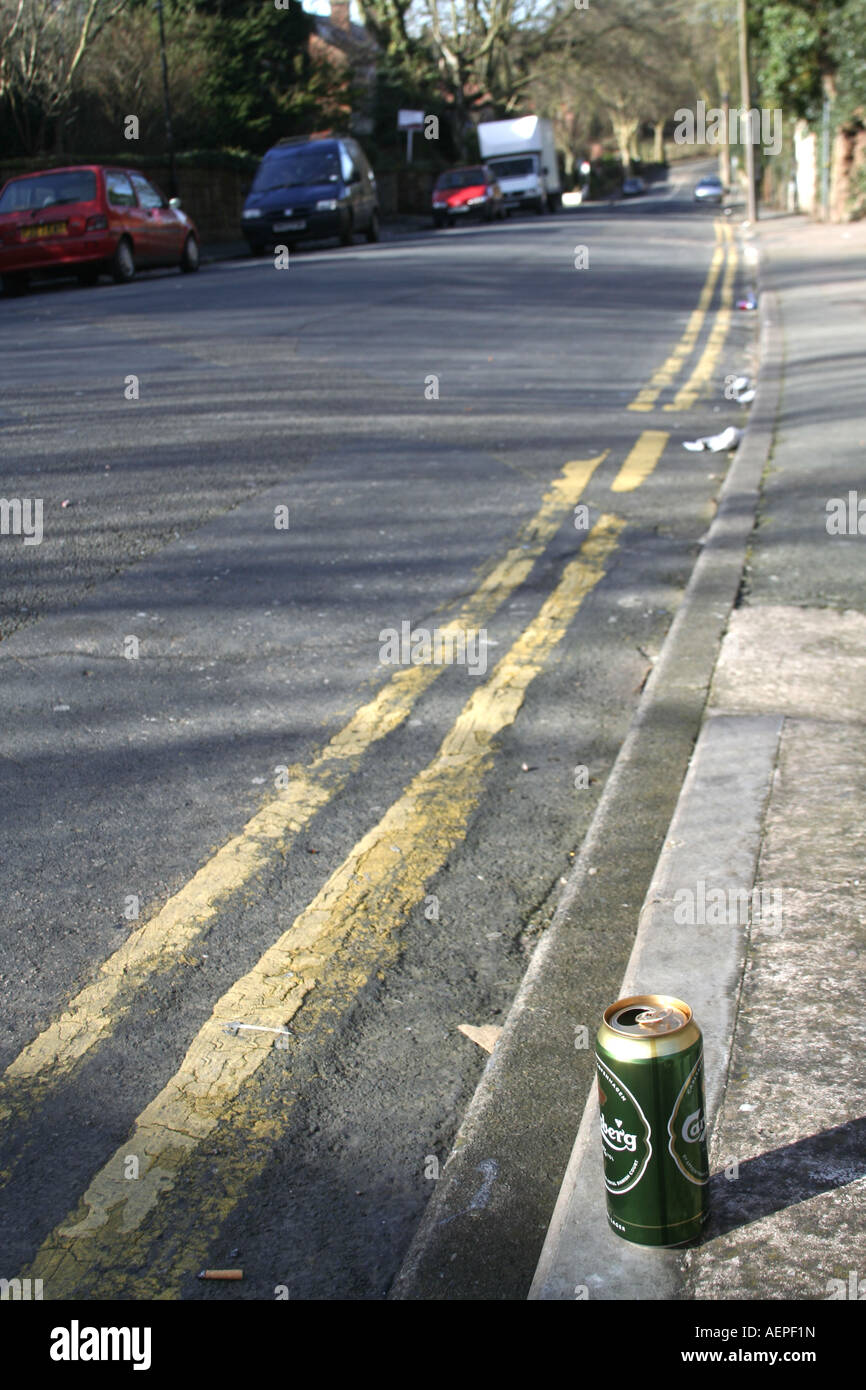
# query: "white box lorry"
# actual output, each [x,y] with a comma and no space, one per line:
[522,155]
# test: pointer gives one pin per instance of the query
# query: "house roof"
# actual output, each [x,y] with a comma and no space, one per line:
[353,41]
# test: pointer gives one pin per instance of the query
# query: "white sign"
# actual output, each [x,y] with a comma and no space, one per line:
[410,120]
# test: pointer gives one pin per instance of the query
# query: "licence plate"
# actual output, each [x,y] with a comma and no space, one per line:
[43,229]
[295,226]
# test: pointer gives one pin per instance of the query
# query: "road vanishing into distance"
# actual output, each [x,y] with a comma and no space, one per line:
[231,797]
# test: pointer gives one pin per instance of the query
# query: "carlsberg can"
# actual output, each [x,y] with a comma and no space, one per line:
[653,1131]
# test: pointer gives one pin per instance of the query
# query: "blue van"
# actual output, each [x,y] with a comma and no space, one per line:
[309,189]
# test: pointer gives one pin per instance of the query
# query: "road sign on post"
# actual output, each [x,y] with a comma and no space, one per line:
[410,121]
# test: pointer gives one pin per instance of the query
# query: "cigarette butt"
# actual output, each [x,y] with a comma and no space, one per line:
[221,1274]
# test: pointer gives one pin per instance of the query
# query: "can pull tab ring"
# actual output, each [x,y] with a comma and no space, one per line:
[657,1020]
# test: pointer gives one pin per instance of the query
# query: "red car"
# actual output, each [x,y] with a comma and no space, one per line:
[464,193]
[90,220]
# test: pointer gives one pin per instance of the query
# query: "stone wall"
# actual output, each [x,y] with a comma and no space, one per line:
[848,186]
[806,166]
[794,181]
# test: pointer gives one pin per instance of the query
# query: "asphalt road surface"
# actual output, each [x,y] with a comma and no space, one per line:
[229,797]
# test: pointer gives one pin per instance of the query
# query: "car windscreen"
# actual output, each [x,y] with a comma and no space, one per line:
[461,178]
[513,168]
[49,190]
[297,169]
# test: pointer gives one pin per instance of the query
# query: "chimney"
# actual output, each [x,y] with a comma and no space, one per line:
[340,14]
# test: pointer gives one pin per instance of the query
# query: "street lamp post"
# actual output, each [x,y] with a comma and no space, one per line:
[726,144]
[169,133]
[746,99]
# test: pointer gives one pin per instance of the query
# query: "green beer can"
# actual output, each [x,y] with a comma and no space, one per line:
[650,1060]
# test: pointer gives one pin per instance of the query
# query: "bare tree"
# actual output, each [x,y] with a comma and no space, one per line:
[621,64]
[386,21]
[42,46]
[486,50]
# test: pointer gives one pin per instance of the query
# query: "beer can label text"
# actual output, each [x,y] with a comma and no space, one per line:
[625,1133]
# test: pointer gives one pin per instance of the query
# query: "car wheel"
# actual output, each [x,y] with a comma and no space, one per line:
[347,238]
[15,284]
[189,261]
[257,250]
[541,206]
[122,263]
[88,276]
[373,229]
[438,221]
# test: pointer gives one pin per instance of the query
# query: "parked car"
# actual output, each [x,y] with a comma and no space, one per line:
[633,187]
[308,189]
[88,220]
[709,189]
[467,192]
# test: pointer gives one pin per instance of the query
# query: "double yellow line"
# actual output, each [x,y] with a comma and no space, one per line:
[725,252]
[346,933]
[688,394]
[216,1065]
[160,942]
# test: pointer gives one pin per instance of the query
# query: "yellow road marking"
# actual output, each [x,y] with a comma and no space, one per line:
[688,394]
[349,930]
[157,944]
[641,461]
[664,376]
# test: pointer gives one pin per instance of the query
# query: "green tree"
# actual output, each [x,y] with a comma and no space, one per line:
[261,83]
[793,52]
[847,50]
[807,49]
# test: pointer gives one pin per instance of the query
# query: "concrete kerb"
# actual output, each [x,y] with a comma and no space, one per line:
[456,1222]
[715,837]
[715,834]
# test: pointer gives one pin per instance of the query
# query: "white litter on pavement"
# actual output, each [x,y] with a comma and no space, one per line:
[716,443]
[740,389]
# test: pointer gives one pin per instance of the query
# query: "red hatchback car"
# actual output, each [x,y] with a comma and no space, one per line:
[462,193]
[90,220]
